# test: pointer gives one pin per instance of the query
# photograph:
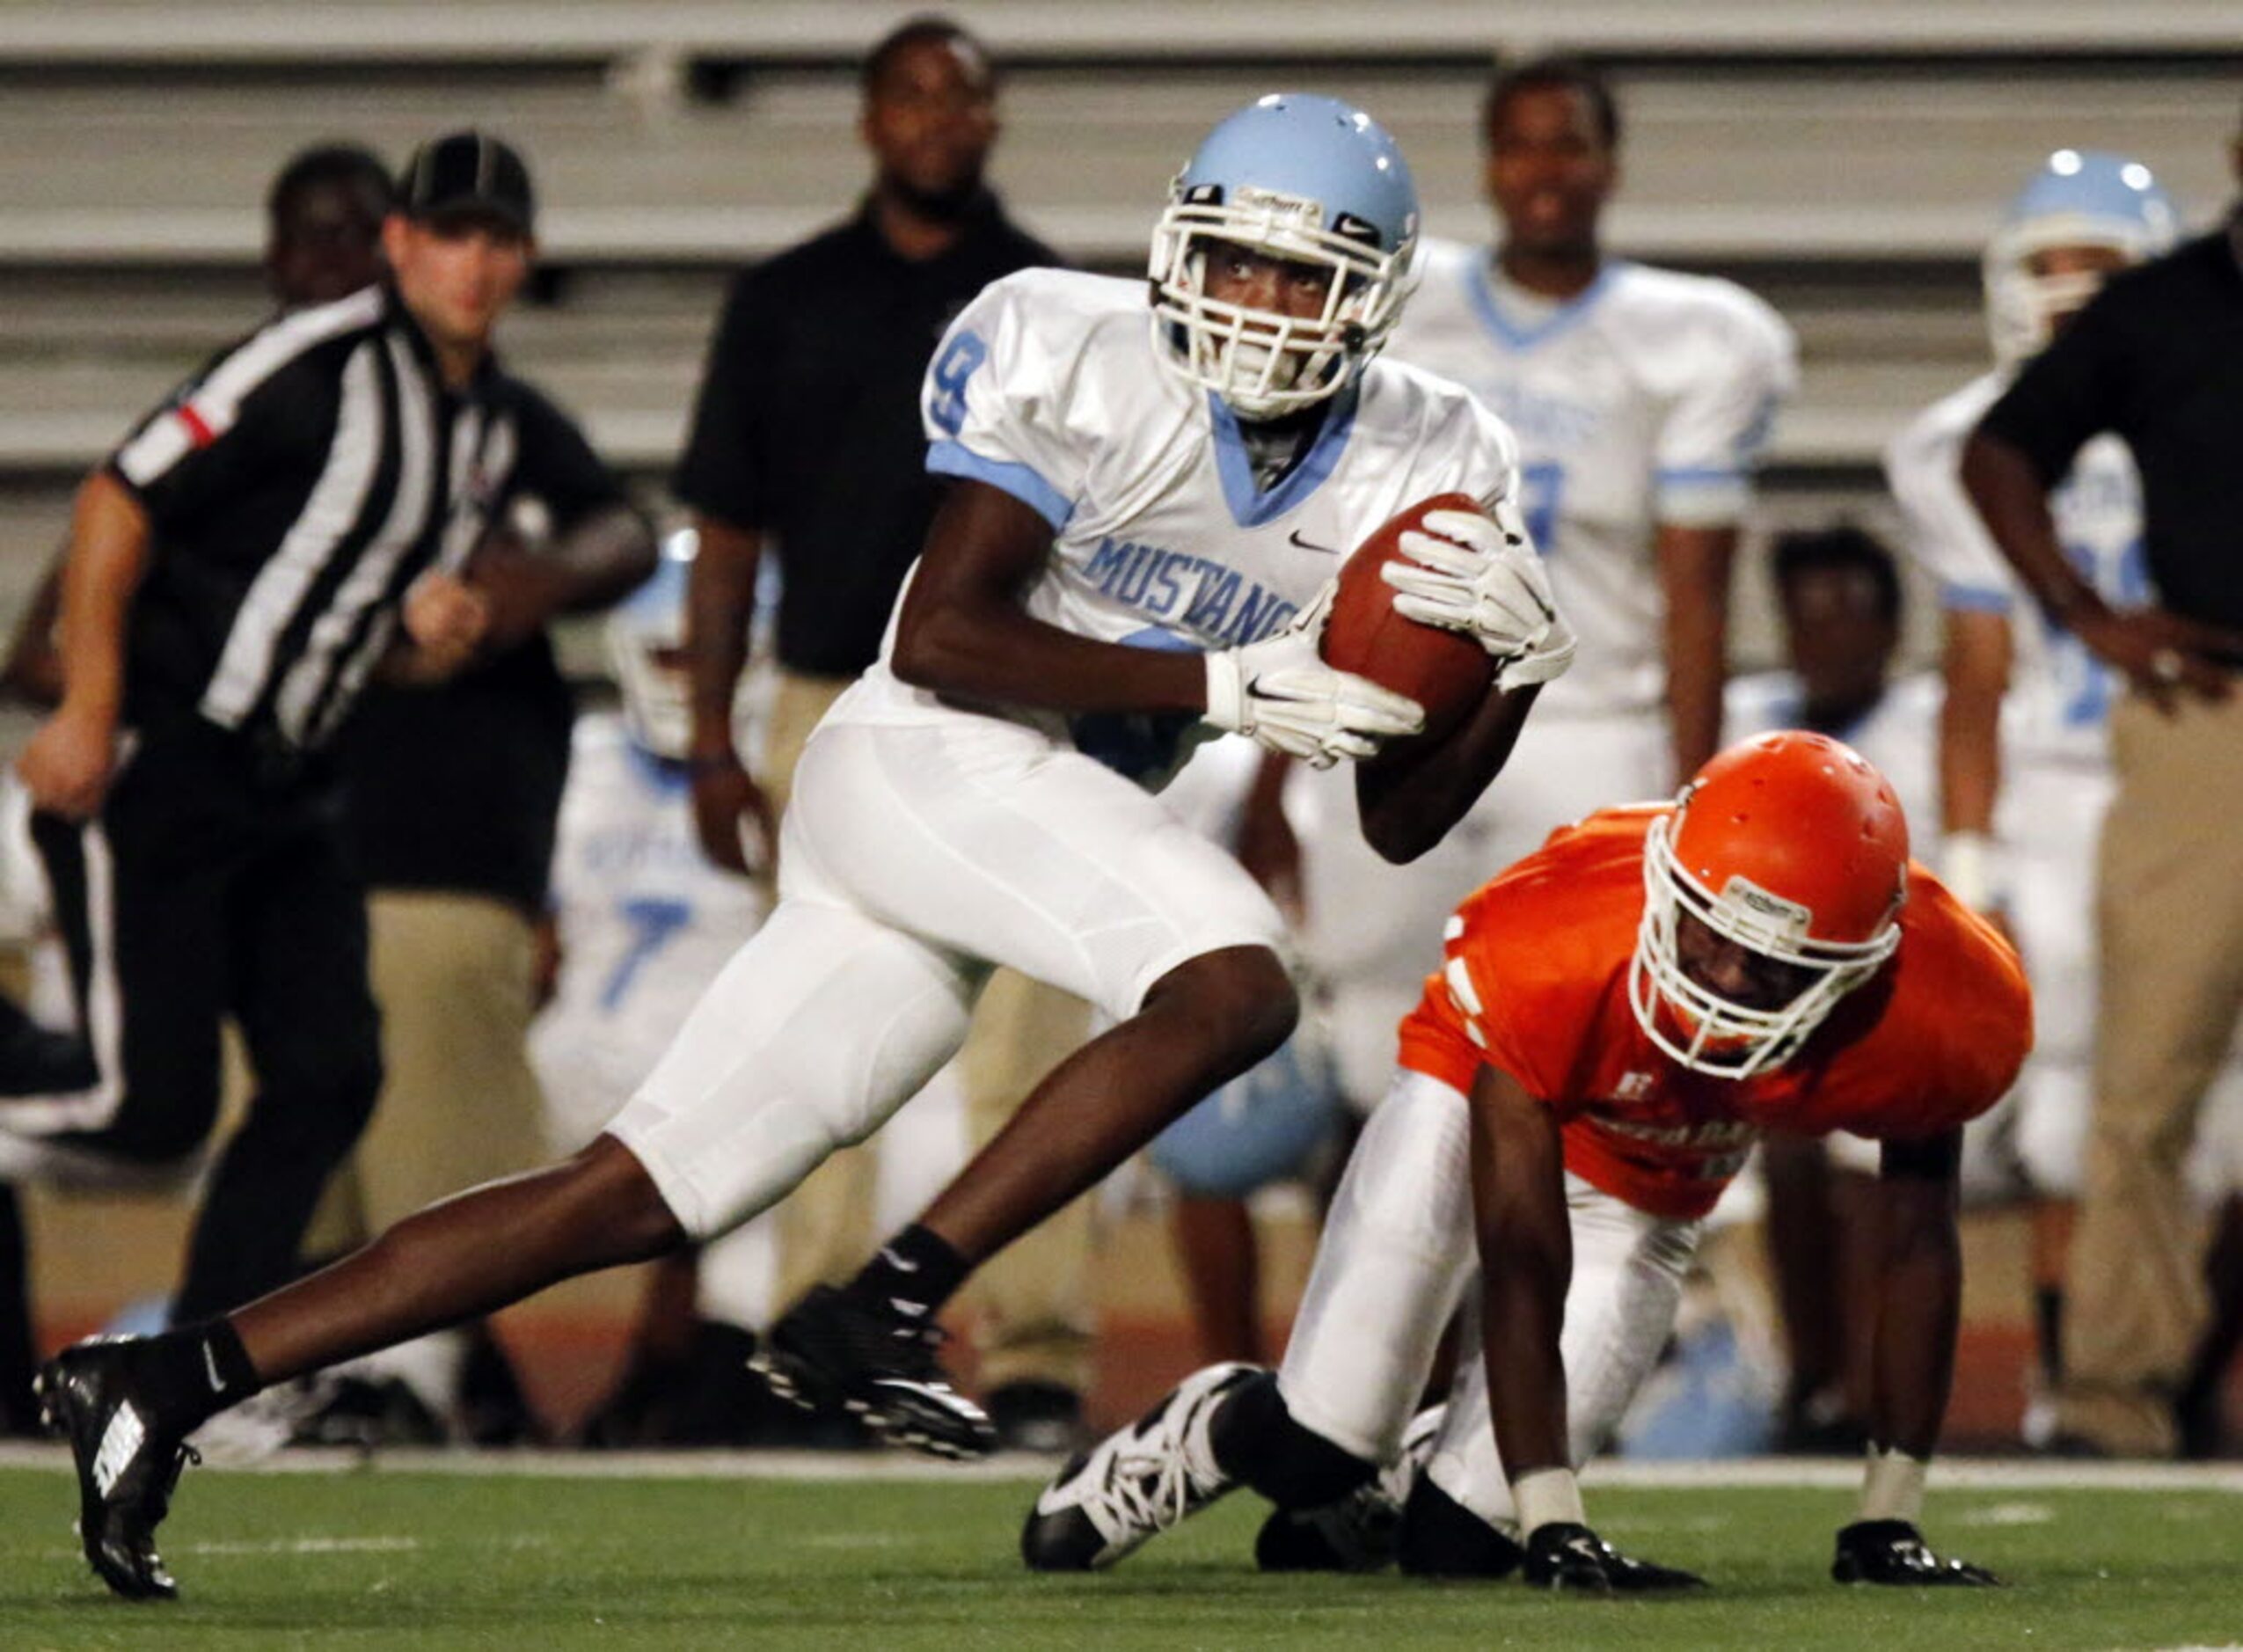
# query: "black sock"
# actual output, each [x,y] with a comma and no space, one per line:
[18,1347]
[2047,1327]
[195,1372]
[916,1267]
[1255,1440]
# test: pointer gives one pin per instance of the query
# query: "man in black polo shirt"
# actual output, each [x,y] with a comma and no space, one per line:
[2157,358]
[294,517]
[808,441]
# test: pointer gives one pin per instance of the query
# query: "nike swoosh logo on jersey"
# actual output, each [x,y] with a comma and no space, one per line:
[1294,538]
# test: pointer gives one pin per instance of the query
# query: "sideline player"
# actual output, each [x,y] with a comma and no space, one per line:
[1641,400]
[1137,552]
[1839,598]
[646,921]
[1615,1019]
[2024,747]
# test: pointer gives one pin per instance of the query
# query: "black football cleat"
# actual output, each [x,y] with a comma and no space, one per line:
[127,1464]
[835,1352]
[1893,1552]
[1566,1556]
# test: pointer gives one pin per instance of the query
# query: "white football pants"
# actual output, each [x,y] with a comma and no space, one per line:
[1397,1257]
[913,857]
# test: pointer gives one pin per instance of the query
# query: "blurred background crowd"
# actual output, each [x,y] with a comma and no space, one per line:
[733,246]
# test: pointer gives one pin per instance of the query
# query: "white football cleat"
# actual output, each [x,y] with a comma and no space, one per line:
[1134,1484]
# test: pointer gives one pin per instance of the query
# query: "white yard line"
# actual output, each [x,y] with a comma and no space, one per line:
[1961,1473]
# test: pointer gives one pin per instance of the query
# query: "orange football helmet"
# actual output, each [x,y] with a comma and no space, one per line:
[1792,846]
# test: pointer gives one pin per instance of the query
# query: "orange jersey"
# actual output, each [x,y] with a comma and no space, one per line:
[1535,982]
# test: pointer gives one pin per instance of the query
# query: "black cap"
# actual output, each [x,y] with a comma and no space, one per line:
[463,172]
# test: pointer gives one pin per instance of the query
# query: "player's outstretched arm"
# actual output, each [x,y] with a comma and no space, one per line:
[1918,1306]
[1526,1265]
[1694,568]
[729,807]
[70,760]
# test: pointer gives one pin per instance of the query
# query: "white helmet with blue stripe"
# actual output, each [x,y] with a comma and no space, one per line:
[1302,178]
[645,638]
[2079,197]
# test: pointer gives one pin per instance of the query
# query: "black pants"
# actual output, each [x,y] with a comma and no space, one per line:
[213,883]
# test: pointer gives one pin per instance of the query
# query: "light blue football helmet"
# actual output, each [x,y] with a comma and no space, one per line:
[1302,178]
[2077,198]
[1259,1127]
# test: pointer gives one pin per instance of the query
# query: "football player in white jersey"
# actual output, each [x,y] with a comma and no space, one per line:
[645,922]
[1838,594]
[1641,400]
[2024,769]
[1140,546]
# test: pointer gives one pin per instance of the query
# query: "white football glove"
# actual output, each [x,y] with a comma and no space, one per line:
[1479,575]
[1280,693]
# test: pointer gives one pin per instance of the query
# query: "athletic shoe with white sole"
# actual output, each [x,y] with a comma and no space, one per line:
[1136,1483]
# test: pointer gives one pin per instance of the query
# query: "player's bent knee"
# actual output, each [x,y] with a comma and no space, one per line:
[1257,1440]
[1441,1538]
[1242,995]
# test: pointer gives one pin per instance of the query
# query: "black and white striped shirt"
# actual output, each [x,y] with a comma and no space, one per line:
[296,487]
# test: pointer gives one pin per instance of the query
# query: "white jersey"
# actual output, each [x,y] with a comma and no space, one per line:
[2059,694]
[1900,733]
[1646,399]
[646,924]
[1047,386]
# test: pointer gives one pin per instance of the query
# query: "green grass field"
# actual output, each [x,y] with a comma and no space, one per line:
[537,1562]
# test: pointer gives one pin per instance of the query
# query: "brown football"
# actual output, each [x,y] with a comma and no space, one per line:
[1445,671]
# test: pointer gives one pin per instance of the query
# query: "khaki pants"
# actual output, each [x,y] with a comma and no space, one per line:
[2170,907]
[1032,1301]
[459,1105]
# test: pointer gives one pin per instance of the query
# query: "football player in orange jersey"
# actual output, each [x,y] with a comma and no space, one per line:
[1615,1020]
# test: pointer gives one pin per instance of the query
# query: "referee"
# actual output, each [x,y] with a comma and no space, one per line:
[296,518]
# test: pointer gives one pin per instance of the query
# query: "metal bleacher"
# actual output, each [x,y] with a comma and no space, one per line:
[1844,161]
